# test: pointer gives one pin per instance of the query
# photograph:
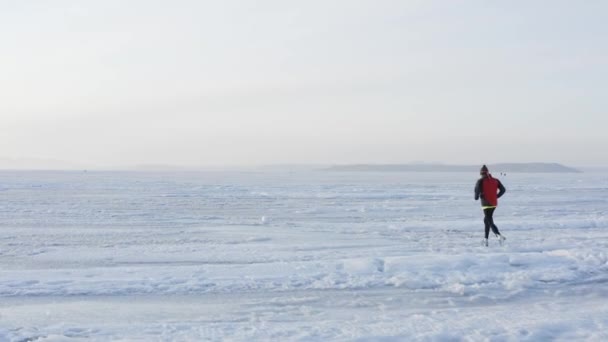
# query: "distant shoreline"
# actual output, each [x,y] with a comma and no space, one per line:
[494,168]
[420,168]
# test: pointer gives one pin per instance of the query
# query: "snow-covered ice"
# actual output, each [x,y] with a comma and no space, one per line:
[310,256]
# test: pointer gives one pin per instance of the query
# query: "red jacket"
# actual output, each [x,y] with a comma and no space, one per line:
[489,189]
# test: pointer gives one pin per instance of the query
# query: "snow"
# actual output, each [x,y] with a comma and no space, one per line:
[308,256]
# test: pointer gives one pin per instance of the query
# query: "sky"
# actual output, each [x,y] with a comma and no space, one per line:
[118,83]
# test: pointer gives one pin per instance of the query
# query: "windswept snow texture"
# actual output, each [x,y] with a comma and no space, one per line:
[310,256]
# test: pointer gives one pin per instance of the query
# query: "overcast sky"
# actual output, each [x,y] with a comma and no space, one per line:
[185,82]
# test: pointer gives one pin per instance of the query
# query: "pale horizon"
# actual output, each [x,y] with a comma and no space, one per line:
[10,164]
[117,84]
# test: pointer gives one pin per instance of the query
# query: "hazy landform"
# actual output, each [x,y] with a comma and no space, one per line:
[495,168]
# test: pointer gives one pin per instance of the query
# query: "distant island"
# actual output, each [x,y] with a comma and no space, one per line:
[494,168]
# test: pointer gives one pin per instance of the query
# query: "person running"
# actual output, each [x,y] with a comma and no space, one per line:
[489,189]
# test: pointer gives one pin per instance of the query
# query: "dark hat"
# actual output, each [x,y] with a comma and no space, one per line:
[484,169]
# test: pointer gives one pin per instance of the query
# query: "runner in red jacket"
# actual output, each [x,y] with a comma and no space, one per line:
[489,189]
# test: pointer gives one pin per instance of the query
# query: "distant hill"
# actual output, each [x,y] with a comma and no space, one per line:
[495,168]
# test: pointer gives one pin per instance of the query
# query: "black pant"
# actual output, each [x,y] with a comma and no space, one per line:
[488,220]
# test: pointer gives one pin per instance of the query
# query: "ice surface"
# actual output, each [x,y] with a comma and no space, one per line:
[308,256]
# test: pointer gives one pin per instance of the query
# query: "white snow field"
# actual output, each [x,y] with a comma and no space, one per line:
[304,256]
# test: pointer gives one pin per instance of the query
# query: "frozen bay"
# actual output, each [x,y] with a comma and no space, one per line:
[300,256]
